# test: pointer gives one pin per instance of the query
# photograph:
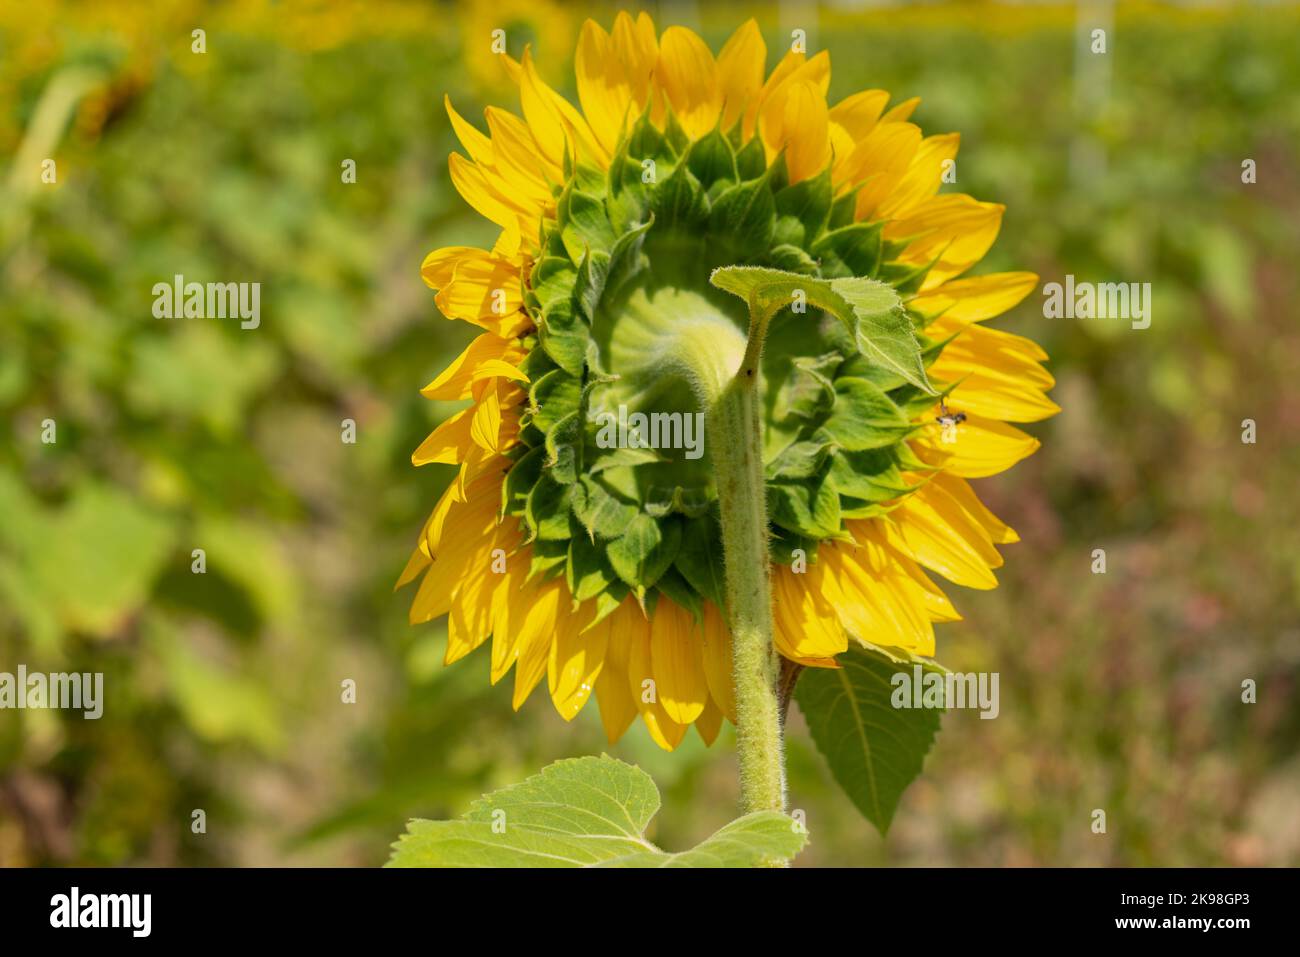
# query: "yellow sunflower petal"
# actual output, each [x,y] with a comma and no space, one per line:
[417,563]
[959,490]
[440,265]
[485,425]
[857,115]
[983,345]
[474,188]
[924,177]
[577,656]
[536,635]
[717,660]
[953,227]
[487,293]
[740,70]
[603,89]
[981,447]
[976,298]
[447,444]
[806,624]
[688,76]
[993,393]
[664,731]
[942,542]
[902,112]
[488,356]
[478,146]
[878,162]
[795,119]
[793,68]
[617,706]
[875,598]
[676,657]
[453,557]
[518,160]
[556,125]
[637,48]
[510,602]
[469,622]
[709,723]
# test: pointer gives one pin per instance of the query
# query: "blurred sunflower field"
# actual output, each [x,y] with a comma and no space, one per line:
[129,441]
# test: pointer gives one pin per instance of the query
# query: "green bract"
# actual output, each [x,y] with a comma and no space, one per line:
[629,322]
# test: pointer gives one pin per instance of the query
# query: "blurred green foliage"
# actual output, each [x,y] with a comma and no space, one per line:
[1120,691]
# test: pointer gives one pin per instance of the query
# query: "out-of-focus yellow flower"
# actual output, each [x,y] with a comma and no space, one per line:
[492,32]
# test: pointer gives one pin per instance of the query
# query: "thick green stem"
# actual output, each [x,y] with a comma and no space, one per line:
[683,335]
[736,438]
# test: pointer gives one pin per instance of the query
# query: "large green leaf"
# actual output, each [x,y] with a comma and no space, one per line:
[870,309]
[585,812]
[873,749]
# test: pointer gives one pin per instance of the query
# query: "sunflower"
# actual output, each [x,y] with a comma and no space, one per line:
[599,568]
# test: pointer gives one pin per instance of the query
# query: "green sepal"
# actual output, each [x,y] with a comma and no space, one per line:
[590,179]
[906,278]
[547,509]
[521,478]
[855,508]
[872,475]
[811,508]
[645,550]
[564,336]
[699,561]
[661,501]
[583,223]
[751,159]
[647,142]
[745,213]
[711,159]
[588,571]
[782,545]
[601,513]
[545,557]
[672,584]
[554,396]
[844,209]
[808,392]
[850,250]
[912,402]
[800,460]
[864,417]
[621,458]
[791,258]
[553,278]
[607,602]
[564,449]
[589,284]
[679,201]
[677,139]
[804,208]
[626,259]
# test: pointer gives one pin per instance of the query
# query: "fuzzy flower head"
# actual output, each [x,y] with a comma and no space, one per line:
[581,534]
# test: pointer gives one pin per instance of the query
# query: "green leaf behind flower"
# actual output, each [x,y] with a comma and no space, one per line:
[874,749]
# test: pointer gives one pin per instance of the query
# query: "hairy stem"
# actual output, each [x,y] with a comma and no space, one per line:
[737,445]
